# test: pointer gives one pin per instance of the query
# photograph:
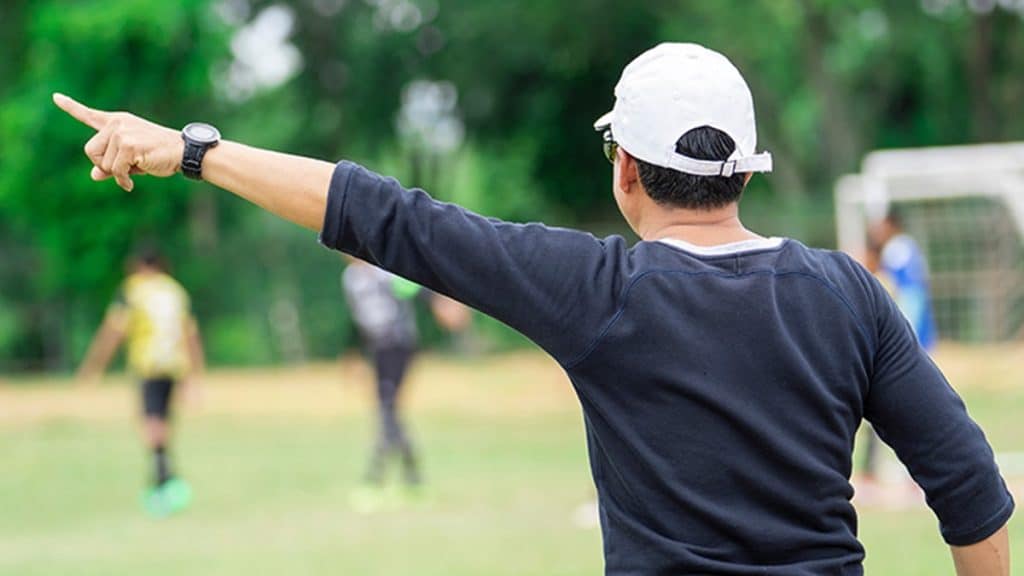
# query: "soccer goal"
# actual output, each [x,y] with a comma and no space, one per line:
[965,206]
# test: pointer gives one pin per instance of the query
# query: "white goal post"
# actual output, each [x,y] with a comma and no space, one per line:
[965,206]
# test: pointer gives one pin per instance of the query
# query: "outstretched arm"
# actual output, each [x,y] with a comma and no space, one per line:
[556,286]
[103,346]
[990,557]
[293,187]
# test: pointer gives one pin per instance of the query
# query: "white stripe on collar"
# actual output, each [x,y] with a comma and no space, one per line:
[725,249]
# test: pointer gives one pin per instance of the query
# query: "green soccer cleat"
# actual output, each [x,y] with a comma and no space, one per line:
[153,503]
[169,498]
[177,494]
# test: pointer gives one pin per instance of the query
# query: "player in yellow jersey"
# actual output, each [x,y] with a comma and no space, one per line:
[152,313]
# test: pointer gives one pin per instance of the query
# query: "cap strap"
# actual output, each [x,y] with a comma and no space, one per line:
[757,163]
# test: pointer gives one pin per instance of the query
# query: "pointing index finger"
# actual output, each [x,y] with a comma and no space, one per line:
[95,119]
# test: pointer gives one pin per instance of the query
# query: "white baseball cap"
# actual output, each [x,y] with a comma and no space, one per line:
[672,89]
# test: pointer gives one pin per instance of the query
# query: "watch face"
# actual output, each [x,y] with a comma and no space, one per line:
[201,133]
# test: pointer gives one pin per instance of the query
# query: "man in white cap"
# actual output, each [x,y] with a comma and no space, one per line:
[723,375]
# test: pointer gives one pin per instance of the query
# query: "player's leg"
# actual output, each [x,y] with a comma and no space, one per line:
[382,446]
[156,394]
[169,494]
[398,364]
[372,496]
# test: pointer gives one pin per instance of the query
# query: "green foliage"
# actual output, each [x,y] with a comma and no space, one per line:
[239,340]
[831,81]
[154,58]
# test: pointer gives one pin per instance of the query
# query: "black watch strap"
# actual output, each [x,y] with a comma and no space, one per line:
[192,161]
[198,139]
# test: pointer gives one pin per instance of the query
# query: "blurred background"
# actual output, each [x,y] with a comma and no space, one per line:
[487,103]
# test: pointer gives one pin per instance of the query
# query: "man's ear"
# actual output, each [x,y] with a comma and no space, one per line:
[628,175]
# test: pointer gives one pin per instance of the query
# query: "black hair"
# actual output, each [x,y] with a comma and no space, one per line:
[149,255]
[677,189]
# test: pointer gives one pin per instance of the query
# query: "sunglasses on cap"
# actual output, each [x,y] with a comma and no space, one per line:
[611,147]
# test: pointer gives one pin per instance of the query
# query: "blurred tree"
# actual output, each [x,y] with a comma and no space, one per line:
[831,79]
[334,78]
[153,58]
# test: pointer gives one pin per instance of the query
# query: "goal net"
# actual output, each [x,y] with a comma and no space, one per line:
[964,205]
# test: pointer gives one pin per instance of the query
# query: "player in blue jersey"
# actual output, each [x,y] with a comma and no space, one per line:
[722,374]
[905,264]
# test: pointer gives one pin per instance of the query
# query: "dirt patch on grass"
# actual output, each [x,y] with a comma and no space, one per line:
[526,382]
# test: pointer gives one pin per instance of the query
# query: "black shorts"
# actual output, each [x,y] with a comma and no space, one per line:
[156,397]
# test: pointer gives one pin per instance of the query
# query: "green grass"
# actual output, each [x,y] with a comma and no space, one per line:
[271,498]
[272,462]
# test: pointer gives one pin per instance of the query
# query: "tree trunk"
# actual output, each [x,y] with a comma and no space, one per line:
[840,138]
[979,70]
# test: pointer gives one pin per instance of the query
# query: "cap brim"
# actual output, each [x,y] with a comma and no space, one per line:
[604,121]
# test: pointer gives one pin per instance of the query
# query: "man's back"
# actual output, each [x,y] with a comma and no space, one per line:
[728,447]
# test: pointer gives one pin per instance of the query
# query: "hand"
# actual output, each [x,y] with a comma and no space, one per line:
[125,144]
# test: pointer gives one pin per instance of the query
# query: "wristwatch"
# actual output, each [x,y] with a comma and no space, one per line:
[199,138]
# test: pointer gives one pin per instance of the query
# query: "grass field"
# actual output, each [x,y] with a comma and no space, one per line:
[272,455]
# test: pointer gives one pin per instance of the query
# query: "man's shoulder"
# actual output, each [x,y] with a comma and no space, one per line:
[846,277]
[833,266]
[823,258]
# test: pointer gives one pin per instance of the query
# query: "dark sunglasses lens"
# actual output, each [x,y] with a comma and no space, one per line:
[609,151]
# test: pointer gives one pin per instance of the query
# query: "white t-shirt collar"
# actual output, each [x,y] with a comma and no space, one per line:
[725,249]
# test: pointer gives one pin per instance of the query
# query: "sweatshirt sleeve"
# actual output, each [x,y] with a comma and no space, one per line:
[554,285]
[917,413]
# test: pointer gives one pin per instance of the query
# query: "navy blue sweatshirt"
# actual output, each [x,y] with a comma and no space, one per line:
[721,390]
